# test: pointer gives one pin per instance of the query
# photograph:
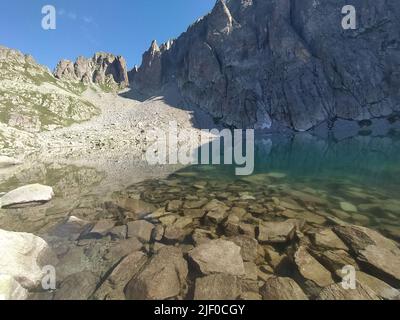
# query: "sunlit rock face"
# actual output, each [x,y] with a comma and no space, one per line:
[273,64]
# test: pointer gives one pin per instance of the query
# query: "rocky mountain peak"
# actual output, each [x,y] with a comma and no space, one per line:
[154,48]
[221,17]
[282,64]
[102,69]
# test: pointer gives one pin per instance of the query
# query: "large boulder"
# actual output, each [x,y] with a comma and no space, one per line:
[378,254]
[163,277]
[26,195]
[218,256]
[23,256]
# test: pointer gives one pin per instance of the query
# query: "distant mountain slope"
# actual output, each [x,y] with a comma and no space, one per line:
[32,100]
[283,63]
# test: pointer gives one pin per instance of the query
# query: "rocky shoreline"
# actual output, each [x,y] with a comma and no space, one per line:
[187,237]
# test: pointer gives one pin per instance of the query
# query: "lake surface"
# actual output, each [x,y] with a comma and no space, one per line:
[323,182]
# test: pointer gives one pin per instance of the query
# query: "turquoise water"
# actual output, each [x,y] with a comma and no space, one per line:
[362,171]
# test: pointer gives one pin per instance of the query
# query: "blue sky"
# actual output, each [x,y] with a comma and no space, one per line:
[122,27]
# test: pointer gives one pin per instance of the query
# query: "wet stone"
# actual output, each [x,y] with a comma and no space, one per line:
[276,232]
[327,239]
[163,277]
[217,287]
[310,269]
[277,288]
[218,256]
[79,286]
[337,292]
[140,229]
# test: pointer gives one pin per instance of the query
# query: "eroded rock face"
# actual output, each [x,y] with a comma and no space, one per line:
[273,64]
[102,69]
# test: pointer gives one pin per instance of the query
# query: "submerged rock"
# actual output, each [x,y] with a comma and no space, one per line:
[337,292]
[113,287]
[217,287]
[381,289]
[30,194]
[79,286]
[276,232]
[278,288]
[218,256]
[348,207]
[140,229]
[70,229]
[311,270]
[163,277]
[327,239]
[379,254]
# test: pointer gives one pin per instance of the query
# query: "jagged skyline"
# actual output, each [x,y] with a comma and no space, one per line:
[86,27]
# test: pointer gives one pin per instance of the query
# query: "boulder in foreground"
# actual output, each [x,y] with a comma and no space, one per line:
[23,255]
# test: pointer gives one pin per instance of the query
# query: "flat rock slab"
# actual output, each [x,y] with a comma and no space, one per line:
[278,288]
[381,289]
[140,229]
[337,292]
[327,239]
[277,232]
[34,193]
[79,286]
[218,256]
[348,207]
[217,287]
[311,269]
[381,255]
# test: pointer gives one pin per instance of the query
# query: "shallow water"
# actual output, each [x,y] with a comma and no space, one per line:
[355,180]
